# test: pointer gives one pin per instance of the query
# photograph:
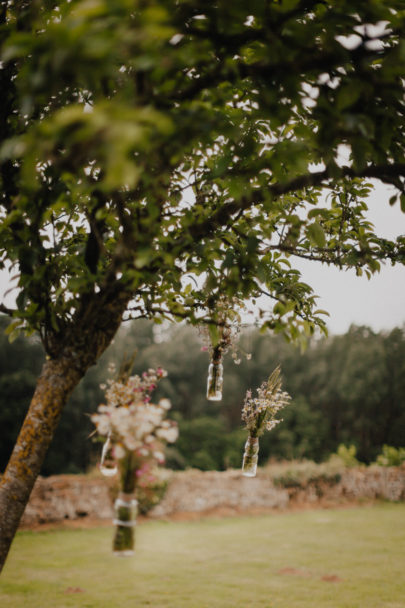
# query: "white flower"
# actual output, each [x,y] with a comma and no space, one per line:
[103,426]
[130,443]
[259,413]
[129,417]
[102,423]
[168,434]
[160,457]
[119,451]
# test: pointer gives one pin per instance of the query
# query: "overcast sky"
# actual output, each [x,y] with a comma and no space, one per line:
[378,302]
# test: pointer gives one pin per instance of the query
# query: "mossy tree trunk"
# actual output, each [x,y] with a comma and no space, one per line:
[56,382]
[89,335]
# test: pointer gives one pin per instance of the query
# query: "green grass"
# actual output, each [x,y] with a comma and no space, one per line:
[272,561]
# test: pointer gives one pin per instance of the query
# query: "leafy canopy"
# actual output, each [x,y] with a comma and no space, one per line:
[146,143]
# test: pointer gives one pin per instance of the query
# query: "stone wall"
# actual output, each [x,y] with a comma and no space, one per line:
[387,483]
[72,497]
[201,491]
[357,484]
[62,497]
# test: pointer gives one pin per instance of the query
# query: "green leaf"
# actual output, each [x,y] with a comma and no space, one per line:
[316,235]
[143,257]
[288,5]
[214,334]
[324,213]
[319,311]
[13,330]
[279,309]
[347,95]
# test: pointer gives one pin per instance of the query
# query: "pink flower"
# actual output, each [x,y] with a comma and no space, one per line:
[144,469]
[204,348]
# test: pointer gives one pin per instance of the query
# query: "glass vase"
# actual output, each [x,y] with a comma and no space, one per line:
[125,511]
[215,381]
[108,465]
[250,457]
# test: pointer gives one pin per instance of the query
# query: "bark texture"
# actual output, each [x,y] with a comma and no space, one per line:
[89,335]
[55,383]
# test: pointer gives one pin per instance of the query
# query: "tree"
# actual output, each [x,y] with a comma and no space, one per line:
[146,143]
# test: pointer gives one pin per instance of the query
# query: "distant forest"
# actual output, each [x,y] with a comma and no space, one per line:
[347,389]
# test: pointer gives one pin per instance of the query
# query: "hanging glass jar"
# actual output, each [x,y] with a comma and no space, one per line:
[215,380]
[250,457]
[125,512]
[108,465]
[125,507]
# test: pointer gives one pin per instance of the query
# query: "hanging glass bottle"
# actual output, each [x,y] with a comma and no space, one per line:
[250,457]
[125,511]
[108,466]
[215,380]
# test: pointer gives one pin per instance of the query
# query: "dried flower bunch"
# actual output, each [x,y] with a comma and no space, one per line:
[259,413]
[131,421]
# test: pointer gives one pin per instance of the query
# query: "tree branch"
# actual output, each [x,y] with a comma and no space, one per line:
[305,61]
[224,215]
[7,311]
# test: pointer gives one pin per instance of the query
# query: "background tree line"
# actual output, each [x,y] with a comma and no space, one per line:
[345,389]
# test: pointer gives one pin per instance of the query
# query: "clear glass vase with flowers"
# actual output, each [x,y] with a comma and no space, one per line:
[219,334]
[259,414]
[135,430]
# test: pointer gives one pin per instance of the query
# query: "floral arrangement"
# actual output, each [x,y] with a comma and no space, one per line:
[135,430]
[218,337]
[259,414]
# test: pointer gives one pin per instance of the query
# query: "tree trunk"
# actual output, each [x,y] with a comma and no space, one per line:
[90,333]
[57,380]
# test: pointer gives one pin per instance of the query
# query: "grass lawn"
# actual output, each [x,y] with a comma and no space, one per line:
[348,558]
